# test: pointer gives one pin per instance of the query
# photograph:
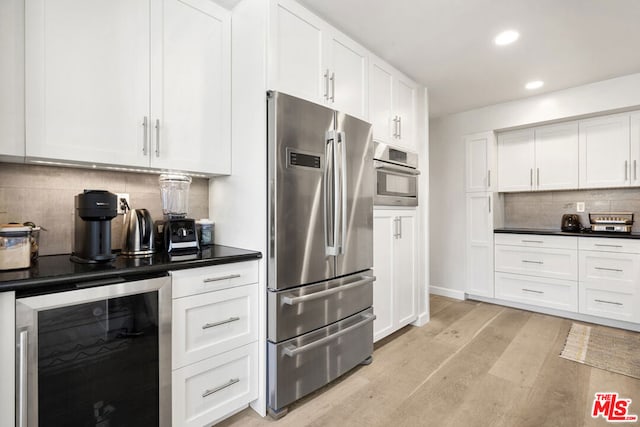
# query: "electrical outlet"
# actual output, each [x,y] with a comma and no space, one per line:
[580,207]
[121,204]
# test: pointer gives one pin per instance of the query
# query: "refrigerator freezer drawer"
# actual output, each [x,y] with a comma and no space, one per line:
[303,364]
[297,311]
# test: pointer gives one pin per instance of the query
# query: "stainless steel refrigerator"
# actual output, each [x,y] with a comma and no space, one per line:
[320,254]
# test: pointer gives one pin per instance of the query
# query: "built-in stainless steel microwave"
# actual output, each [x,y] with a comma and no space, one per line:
[396,176]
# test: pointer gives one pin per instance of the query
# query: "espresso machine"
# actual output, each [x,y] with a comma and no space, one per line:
[176,233]
[92,238]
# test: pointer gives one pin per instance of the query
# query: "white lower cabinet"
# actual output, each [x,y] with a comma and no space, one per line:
[214,342]
[395,268]
[540,291]
[479,244]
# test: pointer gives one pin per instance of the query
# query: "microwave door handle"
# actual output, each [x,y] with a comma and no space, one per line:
[399,170]
[329,194]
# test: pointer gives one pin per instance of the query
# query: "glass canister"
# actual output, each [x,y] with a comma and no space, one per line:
[205,231]
[15,246]
[174,192]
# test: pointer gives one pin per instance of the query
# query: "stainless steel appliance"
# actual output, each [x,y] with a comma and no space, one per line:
[92,238]
[95,355]
[320,283]
[570,222]
[396,176]
[616,222]
[138,234]
[176,233]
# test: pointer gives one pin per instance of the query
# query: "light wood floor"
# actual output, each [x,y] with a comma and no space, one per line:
[473,364]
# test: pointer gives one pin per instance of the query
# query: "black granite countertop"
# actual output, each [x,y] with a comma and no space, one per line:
[551,232]
[56,270]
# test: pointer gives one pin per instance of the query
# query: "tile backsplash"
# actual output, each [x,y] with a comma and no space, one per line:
[545,209]
[45,196]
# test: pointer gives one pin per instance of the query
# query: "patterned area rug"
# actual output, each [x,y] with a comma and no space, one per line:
[614,350]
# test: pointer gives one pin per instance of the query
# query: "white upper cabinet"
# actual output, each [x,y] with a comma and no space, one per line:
[556,157]
[191,87]
[130,83]
[480,162]
[605,152]
[312,60]
[12,78]
[635,148]
[516,160]
[392,105]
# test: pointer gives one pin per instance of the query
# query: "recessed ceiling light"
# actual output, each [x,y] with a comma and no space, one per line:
[536,84]
[506,37]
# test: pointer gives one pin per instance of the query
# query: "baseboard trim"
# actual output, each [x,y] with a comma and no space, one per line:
[422,319]
[446,292]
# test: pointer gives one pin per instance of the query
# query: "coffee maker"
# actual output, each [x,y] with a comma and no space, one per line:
[176,233]
[92,240]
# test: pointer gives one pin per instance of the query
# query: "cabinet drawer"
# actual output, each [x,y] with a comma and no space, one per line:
[552,263]
[205,392]
[205,279]
[609,304]
[212,323]
[551,293]
[609,245]
[536,241]
[610,271]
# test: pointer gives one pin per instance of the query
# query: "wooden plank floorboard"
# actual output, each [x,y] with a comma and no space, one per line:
[473,364]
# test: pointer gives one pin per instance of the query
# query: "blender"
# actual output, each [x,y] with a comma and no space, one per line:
[176,233]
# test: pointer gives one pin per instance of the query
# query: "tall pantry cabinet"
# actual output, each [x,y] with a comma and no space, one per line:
[481,215]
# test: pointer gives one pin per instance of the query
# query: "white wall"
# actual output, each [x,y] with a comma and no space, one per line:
[447,160]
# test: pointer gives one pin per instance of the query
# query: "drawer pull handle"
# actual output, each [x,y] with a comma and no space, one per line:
[217,279]
[532,291]
[532,262]
[291,350]
[608,302]
[608,246]
[220,387]
[532,241]
[609,269]
[289,300]
[222,322]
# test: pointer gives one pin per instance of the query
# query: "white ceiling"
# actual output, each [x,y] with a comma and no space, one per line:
[447,45]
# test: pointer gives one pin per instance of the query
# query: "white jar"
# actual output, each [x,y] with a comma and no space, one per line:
[15,247]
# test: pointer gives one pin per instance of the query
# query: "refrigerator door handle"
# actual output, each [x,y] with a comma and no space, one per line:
[341,205]
[330,185]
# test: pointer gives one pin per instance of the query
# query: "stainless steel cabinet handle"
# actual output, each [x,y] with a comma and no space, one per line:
[489,178]
[489,204]
[531,177]
[608,302]
[400,127]
[608,246]
[396,234]
[145,137]
[321,294]
[220,387]
[395,127]
[532,262]
[532,241]
[222,322]
[333,87]
[609,269]
[157,137]
[217,279]
[626,170]
[532,291]
[399,228]
[538,177]
[326,84]
[635,169]
[291,350]
[22,379]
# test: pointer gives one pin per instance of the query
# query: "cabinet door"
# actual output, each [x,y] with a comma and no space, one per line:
[515,160]
[297,66]
[604,151]
[405,269]
[12,78]
[635,149]
[348,80]
[383,295]
[480,244]
[556,157]
[191,87]
[381,102]
[480,151]
[87,80]
[405,102]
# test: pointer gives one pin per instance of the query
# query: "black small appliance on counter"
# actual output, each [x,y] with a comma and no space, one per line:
[92,240]
[570,222]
